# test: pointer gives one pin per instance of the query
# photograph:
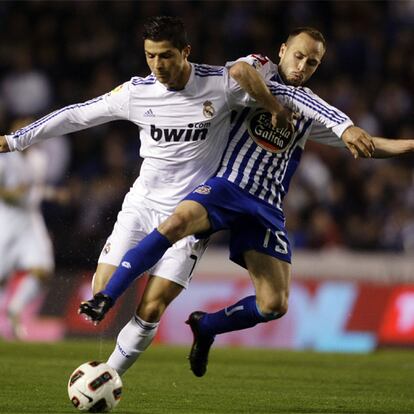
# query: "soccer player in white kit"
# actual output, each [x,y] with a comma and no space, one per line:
[246,196]
[24,241]
[183,112]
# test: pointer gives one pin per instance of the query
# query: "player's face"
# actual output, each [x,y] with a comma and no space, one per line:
[299,58]
[167,63]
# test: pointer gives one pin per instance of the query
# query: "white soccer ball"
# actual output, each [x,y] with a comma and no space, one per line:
[95,387]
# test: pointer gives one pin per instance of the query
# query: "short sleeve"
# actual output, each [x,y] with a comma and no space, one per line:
[236,96]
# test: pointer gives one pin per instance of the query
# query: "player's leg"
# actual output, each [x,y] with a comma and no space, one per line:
[259,243]
[129,229]
[189,218]
[29,288]
[138,333]
[9,252]
[271,278]
[35,255]
[103,274]
[6,269]
[176,268]
[203,211]
[133,224]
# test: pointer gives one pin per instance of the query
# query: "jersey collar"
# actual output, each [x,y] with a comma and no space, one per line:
[189,85]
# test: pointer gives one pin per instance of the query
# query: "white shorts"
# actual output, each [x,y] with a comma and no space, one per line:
[134,222]
[24,244]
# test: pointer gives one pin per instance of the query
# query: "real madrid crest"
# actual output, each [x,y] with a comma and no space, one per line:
[208,109]
[107,248]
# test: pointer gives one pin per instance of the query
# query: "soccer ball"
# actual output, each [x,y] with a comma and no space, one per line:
[95,387]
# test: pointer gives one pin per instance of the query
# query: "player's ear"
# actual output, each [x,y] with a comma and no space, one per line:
[186,51]
[282,50]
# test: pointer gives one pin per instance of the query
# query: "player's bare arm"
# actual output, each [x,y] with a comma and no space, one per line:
[253,83]
[4,146]
[359,142]
[387,147]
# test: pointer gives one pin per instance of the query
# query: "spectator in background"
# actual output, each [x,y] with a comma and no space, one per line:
[24,241]
[25,90]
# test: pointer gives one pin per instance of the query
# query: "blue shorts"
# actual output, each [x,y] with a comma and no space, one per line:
[253,223]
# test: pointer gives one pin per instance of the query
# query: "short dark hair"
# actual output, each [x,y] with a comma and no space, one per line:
[311,31]
[168,28]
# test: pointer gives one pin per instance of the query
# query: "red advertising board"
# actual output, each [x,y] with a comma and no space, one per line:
[325,315]
[397,325]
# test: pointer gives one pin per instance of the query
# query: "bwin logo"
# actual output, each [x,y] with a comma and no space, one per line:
[194,132]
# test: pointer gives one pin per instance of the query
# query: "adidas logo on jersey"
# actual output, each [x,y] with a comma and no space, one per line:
[149,113]
[195,132]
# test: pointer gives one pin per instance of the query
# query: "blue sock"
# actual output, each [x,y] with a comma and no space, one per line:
[243,314]
[136,261]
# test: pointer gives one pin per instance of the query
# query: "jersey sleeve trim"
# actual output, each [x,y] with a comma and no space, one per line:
[207,70]
[307,100]
[149,80]
[340,129]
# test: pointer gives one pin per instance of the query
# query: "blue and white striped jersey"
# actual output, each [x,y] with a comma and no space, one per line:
[262,162]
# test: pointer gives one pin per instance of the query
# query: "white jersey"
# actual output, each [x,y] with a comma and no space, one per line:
[183,133]
[15,174]
[260,163]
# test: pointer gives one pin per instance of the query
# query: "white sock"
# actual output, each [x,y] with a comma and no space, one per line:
[134,338]
[27,290]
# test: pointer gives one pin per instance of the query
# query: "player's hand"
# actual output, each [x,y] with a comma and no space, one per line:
[359,142]
[4,146]
[96,308]
[284,118]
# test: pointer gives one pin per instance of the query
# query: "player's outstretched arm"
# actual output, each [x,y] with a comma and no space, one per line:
[109,107]
[253,83]
[387,147]
[361,144]
[303,101]
[4,146]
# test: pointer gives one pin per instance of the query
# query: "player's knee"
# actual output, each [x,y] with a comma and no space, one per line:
[151,311]
[274,307]
[175,227]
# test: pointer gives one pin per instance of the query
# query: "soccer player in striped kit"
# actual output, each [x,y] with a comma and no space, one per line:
[246,196]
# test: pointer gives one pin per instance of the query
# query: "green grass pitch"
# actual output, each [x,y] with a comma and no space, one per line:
[33,379]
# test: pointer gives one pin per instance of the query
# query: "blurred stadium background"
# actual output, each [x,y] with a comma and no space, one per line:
[351,222]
